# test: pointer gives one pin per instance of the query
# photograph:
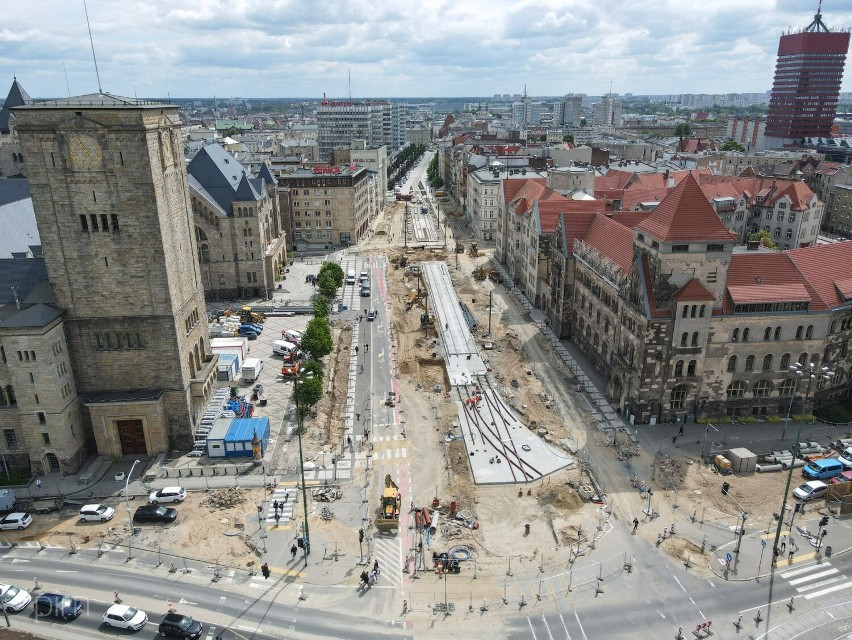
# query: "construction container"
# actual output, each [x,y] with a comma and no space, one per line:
[722,464]
[742,460]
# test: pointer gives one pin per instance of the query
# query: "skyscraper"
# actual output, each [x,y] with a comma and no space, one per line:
[807,82]
[340,122]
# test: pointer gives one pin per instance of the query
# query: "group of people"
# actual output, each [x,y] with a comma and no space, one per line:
[368,579]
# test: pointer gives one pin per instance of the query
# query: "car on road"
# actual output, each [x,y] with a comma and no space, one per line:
[167,494]
[372,313]
[13,598]
[58,606]
[154,513]
[366,292]
[96,513]
[178,626]
[18,520]
[121,616]
[810,490]
[845,458]
[363,277]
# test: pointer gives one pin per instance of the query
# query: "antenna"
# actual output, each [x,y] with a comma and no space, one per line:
[92,42]
[65,71]
[349,73]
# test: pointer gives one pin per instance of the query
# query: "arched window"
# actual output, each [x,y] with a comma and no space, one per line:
[200,235]
[810,332]
[678,368]
[777,333]
[191,364]
[762,388]
[701,311]
[732,364]
[745,334]
[786,388]
[679,394]
[685,310]
[767,362]
[690,370]
[204,252]
[803,359]
[693,311]
[785,362]
[749,365]
[799,330]
[683,339]
[767,333]
[695,339]
[736,390]
[735,336]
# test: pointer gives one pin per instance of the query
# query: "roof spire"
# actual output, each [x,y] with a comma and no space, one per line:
[817,24]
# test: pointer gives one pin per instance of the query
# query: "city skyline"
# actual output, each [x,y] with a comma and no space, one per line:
[203,48]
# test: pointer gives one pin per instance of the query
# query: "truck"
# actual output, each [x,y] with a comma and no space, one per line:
[252,368]
[404,196]
[440,194]
[389,516]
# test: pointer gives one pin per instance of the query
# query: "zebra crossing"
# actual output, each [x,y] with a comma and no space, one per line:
[388,551]
[816,580]
[287,498]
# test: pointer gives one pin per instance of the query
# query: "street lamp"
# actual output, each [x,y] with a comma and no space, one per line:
[299,410]
[127,508]
[812,372]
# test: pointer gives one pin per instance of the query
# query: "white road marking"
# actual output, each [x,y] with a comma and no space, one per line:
[583,631]
[546,627]
[796,572]
[814,576]
[821,583]
[679,584]
[529,623]
[838,587]
[662,615]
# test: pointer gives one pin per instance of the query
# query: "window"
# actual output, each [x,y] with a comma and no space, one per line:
[680,248]
[777,232]
[785,362]
[745,334]
[749,364]
[792,217]
[84,223]
[695,339]
[701,311]
[683,339]
[45,439]
[42,419]
[715,247]
[788,234]
[736,390]
[810,332]
[694,311]
[690,370]
[799,330]
[787,388]
[777,335]
[767,333]
[678,369]
[679,394]
[732,364]
[685,310]
[11,438]
[767,362]
[735,337]
[803,359]
[762,388]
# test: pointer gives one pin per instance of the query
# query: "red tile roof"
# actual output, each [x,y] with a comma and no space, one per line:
[549,210]
[774,270]
[629,218]
[827,269]
[789,292]
[693,291]
[511,186]
[799,193]
[611,239]
[685,215]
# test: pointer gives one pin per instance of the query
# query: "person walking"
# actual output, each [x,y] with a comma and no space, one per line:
[293,551]
[783,543]
[376,567]
[635,524]
[674,439]
[286,498]
[349,441]
[680,431]
[38,483]
[275,506]
[277,518]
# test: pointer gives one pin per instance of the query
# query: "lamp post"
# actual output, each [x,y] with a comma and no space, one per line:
[127,508]
[812,372]
[299,410]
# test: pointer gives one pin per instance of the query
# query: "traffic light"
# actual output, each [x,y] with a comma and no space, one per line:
[725,487]
[823,521]
[300,542]
[360,535]
[264,569]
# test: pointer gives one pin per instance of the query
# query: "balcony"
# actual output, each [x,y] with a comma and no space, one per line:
[205,376]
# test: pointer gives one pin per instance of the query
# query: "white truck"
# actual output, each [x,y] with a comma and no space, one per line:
[251,369]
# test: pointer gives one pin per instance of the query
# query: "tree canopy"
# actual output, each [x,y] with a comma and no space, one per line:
[568,138]
[765,239]
[321,307]
[732,145]
[683,130]
[316,339]
[432,173]
[335,269]
[306,393]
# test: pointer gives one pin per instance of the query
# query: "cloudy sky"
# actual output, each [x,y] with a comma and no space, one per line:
[405,48]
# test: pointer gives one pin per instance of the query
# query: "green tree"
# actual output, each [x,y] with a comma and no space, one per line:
[432,173]
[306,393]
[313,367]
[316,339]
[335,269]
[765,239]
[683,130]
[327,284]
[732,145]
[568,138]
[321,307]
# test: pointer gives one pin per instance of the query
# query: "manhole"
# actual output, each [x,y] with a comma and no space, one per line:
[718,445]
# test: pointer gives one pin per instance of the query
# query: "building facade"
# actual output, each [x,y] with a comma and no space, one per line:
[568,111]
[379,123]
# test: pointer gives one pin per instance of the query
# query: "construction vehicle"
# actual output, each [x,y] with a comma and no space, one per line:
[246,315]
[389,516]
[415,296]
[479,274]
[291,370]
[427,320]
[473,252]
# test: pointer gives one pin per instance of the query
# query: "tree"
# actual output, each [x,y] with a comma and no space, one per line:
[316,339]
[321,307]
[313,367]
[732,145]
[307,392]
[765,239]
[683,130]
[335,269]
[568,138]
[327,284]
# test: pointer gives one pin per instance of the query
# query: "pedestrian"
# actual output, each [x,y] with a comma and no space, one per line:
[293,551]
[635,524]
[277,518]
[361,368]
[674,439]
[367,347]
[366,434]
[376,567]
[775,554]
[286,498]
[356,349]
[275,506]
[792,553]
[783,543]
[349,441]
[38,483]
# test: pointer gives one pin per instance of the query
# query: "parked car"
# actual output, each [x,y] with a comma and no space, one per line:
[372,313]
[845,458]
[96,513]
[245,332]
[167,494]
[823,469]
[810,490]
[13,598]
[178,626]
[123,617]
[18,520]
[366,292]
[252,326]
[58,606]
[154,513]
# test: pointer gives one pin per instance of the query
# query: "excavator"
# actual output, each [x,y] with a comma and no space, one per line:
[247,315]
[389,517]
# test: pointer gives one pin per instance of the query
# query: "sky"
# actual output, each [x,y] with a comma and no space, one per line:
[399,48]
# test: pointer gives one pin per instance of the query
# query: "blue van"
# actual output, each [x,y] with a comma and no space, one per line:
[822,469]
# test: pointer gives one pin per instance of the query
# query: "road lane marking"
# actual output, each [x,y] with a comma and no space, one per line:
[583,631]
[679,584]
[822,583]
[795,572]
[813,576]
[529,624]
[838,587]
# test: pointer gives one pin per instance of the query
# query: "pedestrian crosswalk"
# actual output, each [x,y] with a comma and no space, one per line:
[817,580]
[286,498]
[388,551]
[381,455]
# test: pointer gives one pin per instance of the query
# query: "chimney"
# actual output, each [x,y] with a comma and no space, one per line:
[15,293]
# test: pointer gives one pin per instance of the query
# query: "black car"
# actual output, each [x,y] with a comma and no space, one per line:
[154,513]
[58,606]
[179,626]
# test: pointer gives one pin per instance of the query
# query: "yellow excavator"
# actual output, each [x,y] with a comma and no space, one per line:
[247,315]
[389,517]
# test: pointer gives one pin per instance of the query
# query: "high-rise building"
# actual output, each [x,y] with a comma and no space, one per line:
[808,75]
[525,112]
[341,122]
[568,111]
[608,112]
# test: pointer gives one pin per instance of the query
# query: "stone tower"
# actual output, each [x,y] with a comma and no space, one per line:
[111,199]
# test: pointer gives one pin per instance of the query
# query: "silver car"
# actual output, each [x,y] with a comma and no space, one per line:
[810,490]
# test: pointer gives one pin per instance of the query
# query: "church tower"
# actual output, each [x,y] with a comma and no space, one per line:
[111,199]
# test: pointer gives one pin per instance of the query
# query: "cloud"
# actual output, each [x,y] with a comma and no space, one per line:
[294,48]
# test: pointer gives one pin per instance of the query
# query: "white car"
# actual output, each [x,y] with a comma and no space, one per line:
[96,513]
[17,520]
[846,458]
[13,598]
[168,494]
[123,617]
[810,490]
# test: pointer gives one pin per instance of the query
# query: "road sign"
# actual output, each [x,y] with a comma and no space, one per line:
[763,543]
[729,557]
